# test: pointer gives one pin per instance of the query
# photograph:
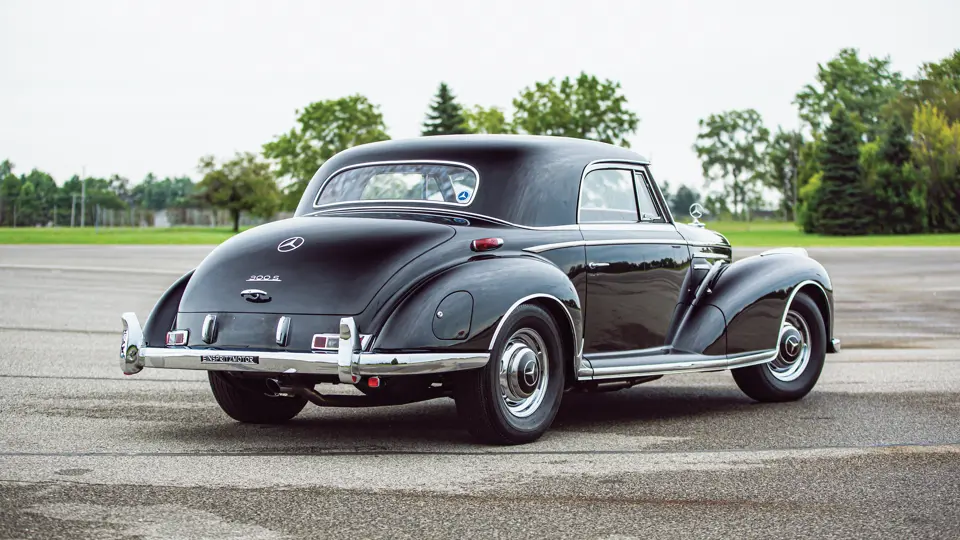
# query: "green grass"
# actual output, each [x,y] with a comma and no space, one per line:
[776,234]
[114,235]
[740,234]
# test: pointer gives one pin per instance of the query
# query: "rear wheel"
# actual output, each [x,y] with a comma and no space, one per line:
[515,397]
[801,350]
[246,401]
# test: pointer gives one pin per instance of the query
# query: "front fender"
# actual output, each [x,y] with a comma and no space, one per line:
[488,289]
[753,293]
[164,312]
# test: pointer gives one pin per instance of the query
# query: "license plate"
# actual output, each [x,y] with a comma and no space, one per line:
[221,359]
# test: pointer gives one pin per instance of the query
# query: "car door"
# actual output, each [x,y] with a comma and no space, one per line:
[636,261]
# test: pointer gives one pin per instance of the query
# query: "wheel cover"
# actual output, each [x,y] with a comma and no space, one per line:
[523,372]
[793,348]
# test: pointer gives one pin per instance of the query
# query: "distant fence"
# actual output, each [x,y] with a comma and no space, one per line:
[94,215]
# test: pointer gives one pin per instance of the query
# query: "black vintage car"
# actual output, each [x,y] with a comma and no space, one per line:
[501,271]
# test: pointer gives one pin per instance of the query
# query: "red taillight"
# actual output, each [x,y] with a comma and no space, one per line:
[373,382]
[177,338]
[486,244]
[325,342]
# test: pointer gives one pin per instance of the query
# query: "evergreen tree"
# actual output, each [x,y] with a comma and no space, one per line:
[446,115]
[841,205]
[896,147]
[896,194]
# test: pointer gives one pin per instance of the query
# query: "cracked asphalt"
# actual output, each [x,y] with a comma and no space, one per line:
[872,452]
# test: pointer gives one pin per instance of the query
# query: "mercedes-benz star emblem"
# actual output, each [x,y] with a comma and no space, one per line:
[696,210]
[791,345]
[290,244]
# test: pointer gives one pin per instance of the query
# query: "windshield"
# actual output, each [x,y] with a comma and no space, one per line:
[401,182]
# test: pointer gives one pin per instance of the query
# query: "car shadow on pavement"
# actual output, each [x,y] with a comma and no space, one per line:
[435,424]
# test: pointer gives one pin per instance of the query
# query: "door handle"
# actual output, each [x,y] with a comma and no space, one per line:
[594,266]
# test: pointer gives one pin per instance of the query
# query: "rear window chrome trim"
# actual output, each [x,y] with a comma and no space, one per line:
[466,166]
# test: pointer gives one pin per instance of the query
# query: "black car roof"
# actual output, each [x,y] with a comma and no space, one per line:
[525,179]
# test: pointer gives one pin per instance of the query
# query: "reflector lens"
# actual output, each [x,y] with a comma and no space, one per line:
[177,338]
[486,244]
[373,382]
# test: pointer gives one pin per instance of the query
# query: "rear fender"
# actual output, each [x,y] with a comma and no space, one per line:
[464,307]
[160,320]
[753,295]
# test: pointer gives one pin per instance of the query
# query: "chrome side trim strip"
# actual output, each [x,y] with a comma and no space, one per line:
[442,211]
[670,366]
[559,245]
[639,227]
[471,168]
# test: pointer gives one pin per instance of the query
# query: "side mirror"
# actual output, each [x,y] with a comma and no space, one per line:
[696,212]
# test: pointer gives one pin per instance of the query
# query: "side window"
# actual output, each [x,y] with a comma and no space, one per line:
[608,195]
[648,208]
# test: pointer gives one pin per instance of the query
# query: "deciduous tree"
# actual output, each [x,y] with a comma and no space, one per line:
[936,151]
[488,120]
[323,129]
[242,184]
[862,87]
[782,168]
[937,84]
[584,108]
[731,148]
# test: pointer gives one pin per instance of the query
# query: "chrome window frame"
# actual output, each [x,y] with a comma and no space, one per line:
[635,166]
[374,202]
[633,188]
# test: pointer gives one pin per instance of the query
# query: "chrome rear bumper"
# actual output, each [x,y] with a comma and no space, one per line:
[349,363]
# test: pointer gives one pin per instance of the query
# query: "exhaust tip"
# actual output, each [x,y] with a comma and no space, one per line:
[273,386]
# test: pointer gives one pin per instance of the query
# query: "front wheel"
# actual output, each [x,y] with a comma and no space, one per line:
[801,350]
[247,401]
[515,397]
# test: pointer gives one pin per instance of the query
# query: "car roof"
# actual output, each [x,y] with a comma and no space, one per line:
[530,180]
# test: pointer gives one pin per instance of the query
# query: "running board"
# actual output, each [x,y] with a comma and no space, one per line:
[667,364]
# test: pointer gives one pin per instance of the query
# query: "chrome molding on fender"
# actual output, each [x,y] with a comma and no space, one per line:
[577,330]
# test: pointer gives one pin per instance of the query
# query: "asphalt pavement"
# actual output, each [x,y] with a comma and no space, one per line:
[872,452]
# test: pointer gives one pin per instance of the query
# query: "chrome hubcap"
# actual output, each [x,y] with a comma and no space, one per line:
[793,348]
[523,372]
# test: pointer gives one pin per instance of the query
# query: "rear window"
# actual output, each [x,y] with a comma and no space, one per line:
[441,183]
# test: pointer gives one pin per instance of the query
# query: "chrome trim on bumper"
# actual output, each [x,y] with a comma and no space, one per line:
[834,346]
[347,362]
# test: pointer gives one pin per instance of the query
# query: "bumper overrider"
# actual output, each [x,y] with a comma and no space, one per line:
[349,362]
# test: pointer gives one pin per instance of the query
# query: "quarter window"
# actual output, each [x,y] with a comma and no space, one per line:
[608,195]
[648,208]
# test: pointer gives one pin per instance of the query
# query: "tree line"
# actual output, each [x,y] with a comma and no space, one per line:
[876,152]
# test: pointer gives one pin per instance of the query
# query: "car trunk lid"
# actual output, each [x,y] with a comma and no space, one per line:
[308,265]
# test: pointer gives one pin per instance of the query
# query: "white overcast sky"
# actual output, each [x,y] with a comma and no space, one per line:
[131,86]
